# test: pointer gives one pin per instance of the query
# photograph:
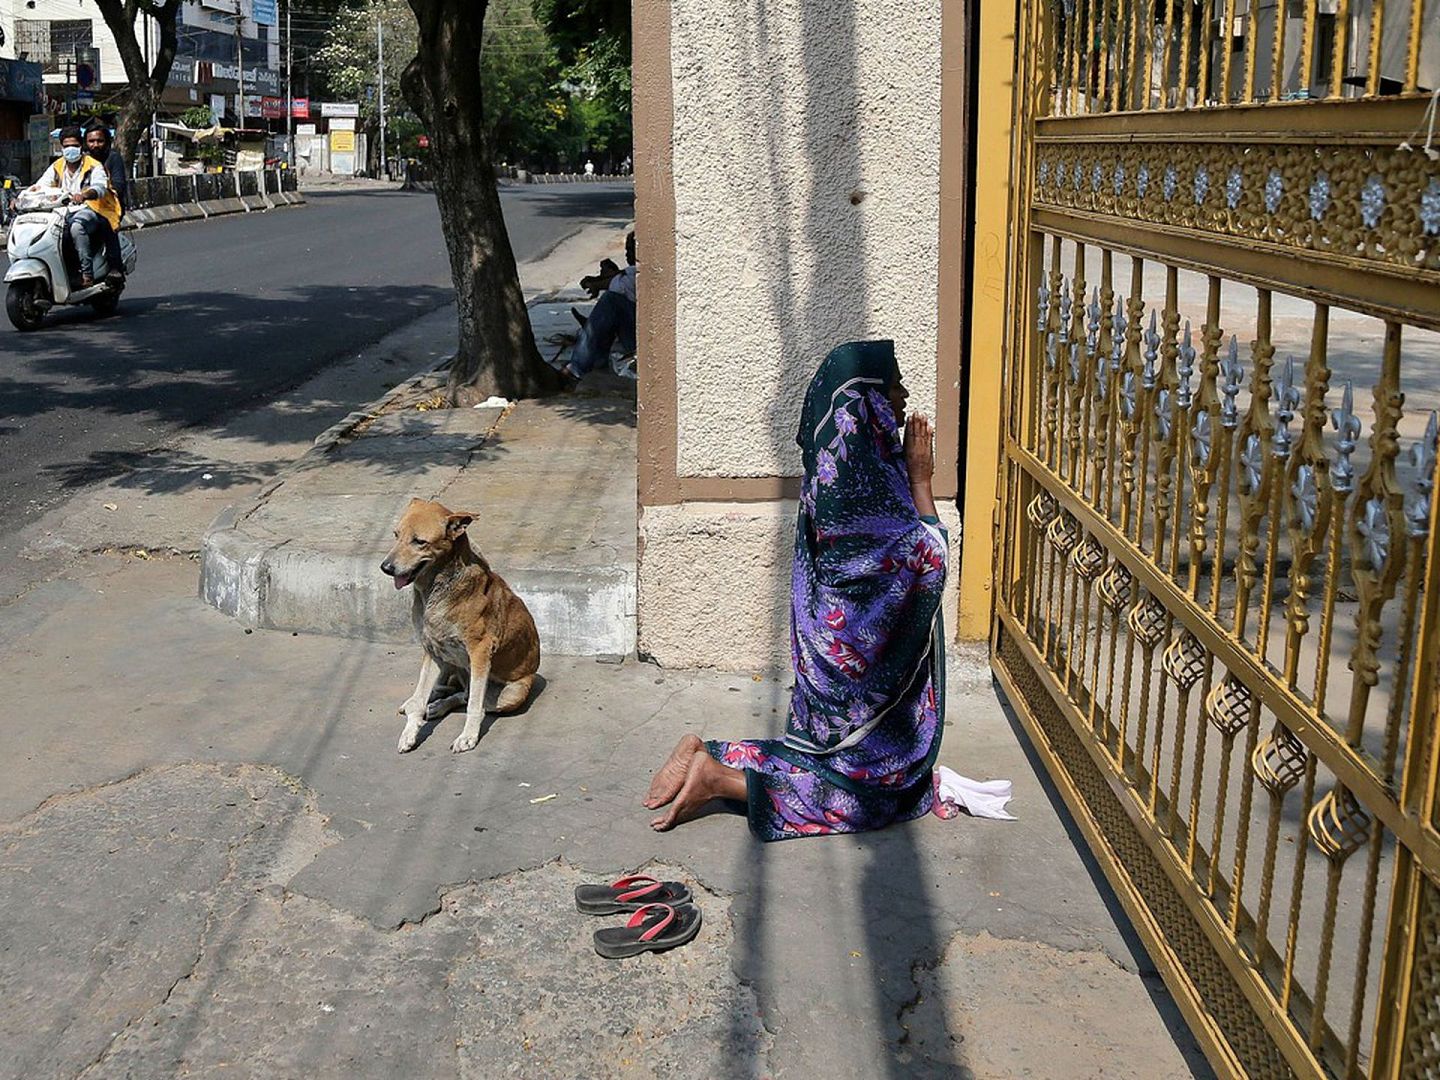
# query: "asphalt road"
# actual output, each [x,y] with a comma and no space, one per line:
[222,314]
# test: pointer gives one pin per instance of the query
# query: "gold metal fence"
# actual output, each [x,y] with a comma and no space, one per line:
[1218,582]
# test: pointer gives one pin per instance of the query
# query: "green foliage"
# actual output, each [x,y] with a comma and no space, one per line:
[405,132]
[526,112]
[197,116]
[592,39]
[548,97]
[579,26]
[348,59]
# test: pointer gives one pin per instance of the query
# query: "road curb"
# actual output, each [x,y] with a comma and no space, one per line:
[271,586]
[279,585]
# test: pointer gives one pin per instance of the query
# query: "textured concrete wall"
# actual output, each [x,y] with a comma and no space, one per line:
[715,584]
[806,178]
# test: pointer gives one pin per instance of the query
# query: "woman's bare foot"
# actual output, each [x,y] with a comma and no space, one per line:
[706,779]
[668,780]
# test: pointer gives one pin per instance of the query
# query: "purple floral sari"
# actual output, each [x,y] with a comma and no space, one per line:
[865,713]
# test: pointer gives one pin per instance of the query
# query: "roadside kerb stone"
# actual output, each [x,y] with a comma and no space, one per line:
[551,485]
[273,188]
[248,190]
[184,202]
[553,495]
[214,199]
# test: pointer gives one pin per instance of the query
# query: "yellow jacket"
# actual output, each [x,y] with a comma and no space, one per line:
[107,206]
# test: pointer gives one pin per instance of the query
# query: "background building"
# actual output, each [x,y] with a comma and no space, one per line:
[22,94]
[70,41]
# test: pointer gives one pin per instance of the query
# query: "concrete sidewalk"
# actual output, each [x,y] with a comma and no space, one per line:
[212,861]
[551,484]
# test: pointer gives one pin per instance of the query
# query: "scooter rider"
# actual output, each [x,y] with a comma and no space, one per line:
[100,146]
[83,179]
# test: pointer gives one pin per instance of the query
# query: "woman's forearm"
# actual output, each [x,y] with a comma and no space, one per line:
[924,498]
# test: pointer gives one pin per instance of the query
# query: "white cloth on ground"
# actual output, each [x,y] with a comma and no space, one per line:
[978,798]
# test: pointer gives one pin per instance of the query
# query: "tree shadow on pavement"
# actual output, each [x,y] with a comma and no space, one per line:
[192,356]
[1160,997]
[592,202]
[812,241]
[607,406]
[162,471]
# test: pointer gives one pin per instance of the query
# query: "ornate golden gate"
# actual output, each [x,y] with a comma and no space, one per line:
[1218,602]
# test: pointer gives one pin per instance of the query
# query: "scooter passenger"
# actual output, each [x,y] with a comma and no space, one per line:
[83,180]
[100,146]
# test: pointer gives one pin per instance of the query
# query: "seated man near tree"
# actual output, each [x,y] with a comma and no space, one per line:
[84,182]
[611,320]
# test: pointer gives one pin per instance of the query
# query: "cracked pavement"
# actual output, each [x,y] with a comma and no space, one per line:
[214,863]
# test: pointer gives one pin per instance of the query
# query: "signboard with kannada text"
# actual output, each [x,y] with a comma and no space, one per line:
[21,80]
[264,12]
[182,73]
[342,142]
[339,108]
[257,79]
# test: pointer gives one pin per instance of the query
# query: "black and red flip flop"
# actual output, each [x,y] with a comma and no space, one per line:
[653,928]
[629,894]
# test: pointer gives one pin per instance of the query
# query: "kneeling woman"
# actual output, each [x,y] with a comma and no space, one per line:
[867,709]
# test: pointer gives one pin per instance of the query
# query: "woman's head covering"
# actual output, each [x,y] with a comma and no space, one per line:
[859,365]
[868,571]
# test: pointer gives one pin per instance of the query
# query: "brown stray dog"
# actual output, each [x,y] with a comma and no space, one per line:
[473,629]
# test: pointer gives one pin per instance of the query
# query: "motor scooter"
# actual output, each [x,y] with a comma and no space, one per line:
[44,269]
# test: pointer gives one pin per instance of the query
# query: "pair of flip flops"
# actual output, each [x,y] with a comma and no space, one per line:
[662,915]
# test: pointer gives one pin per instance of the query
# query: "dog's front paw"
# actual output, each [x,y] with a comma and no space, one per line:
[465,741]
[409,738]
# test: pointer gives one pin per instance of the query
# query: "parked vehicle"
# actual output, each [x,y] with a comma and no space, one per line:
[44,270]
[10,187]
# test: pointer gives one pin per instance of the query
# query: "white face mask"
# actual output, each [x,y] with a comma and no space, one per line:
[72,154]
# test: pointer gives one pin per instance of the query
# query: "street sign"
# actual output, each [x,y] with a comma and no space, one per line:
[87,69]
[84,97]
[300,108]
[264,13]
[339,108]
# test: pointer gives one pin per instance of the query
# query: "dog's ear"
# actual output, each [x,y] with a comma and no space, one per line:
[415,500]
[455,524]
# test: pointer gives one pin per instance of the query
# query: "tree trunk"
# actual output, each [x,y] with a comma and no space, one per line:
[146,85]
[134,121]
[497,353]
